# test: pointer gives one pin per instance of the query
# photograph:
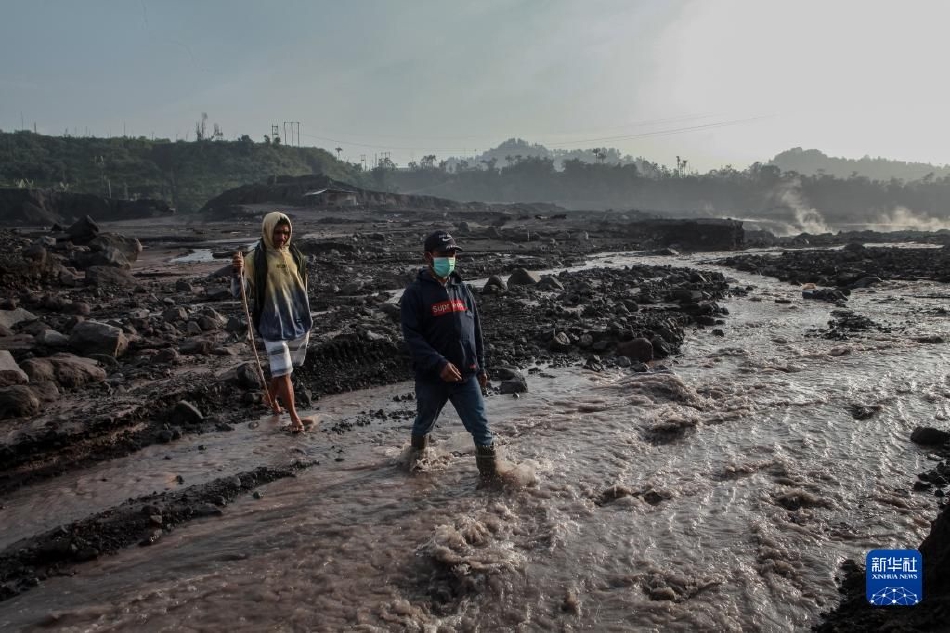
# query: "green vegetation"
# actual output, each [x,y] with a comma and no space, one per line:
[185,174]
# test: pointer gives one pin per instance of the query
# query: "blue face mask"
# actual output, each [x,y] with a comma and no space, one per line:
[443,266]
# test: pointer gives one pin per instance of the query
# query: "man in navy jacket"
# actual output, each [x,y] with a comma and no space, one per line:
[441,328]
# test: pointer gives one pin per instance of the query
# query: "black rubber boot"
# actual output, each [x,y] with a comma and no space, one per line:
[419,442]
[487,462]
[416,451]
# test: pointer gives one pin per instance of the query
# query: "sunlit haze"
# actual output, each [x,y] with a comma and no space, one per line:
[718,82]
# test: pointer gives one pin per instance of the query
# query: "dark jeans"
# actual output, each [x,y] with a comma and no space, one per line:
[466,397]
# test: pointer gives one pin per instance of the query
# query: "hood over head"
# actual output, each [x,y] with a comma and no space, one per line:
[271,220]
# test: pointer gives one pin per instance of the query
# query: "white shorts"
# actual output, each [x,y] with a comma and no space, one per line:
[285,355]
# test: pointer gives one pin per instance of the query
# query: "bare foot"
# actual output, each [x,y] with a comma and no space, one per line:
[295,427]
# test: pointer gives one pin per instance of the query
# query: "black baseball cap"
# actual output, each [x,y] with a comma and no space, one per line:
[440,241]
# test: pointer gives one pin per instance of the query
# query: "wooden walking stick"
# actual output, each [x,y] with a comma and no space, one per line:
[250,332]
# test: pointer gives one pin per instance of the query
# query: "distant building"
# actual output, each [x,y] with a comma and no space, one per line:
[331,197]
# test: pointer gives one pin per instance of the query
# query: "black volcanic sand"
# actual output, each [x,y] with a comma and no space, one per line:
[629,317]
[853,266]
[141,521]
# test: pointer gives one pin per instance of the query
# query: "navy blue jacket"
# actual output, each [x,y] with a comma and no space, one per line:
[440,325]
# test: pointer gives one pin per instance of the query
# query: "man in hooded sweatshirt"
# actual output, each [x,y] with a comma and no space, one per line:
[441,328]
[276,282]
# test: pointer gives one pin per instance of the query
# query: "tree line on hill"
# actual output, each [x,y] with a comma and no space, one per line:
[599,179]
[187,174]
[184,174]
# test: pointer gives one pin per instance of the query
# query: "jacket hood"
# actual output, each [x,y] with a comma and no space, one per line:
[271,220]
[426,275]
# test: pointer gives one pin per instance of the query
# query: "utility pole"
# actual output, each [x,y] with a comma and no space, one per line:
[292,124]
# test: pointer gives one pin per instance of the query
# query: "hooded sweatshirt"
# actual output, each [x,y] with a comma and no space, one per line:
[283,302]
[440,325]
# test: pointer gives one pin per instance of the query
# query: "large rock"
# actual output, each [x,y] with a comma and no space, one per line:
[83,230]
[495,282]
[929,436]
[9,318]
[37,254]
[129,247]
[175,314]
[197,346]
[639,349]
[103,257]
[66,370]
[243,375]
[52,338]
[522,277]
[10,372]
[560,342]
[185,413]
[108,276]
[18,341]
[513,386]
[507,372]
[549,282]
[18,401]
[92,337]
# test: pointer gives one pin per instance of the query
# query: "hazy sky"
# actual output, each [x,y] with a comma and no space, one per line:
[714,81]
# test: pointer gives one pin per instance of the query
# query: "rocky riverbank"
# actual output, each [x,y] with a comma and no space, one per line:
[112,343]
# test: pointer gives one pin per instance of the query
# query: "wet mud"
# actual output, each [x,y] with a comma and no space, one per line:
[170,358]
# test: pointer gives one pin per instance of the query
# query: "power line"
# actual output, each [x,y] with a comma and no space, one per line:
[670,132]
[666,132]
[633,124]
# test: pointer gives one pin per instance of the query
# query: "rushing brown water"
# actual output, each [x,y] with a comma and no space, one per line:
[718,494]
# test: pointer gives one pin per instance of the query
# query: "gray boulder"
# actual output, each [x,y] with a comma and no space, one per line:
[496,282]
[18,401]
[52,338]
[104,257]
[83,230]
[109,276]
[186,413]
[128,247]
[561,342]
[10,372]
[929,436]
[522,277]
[173,315]
[549,282]
[9,318]
[65,370]
[92,337]
[513,386]
[507,372]
[243,375]
[638,349]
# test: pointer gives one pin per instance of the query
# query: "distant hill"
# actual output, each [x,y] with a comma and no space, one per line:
[812,162]
[184,174]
